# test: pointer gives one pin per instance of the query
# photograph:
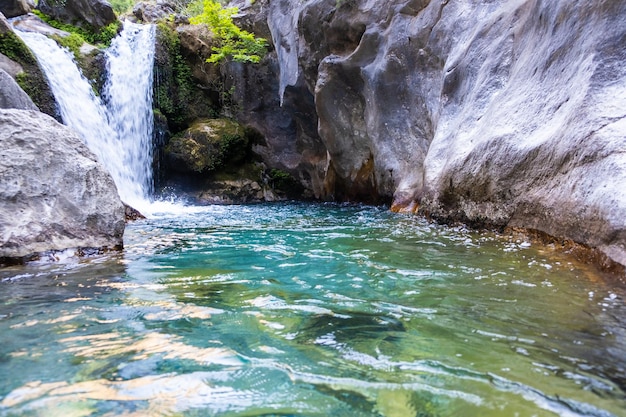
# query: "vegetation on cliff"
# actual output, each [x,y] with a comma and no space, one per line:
[232,41]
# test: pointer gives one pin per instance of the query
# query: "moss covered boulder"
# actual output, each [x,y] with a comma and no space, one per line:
[15,53]
[206,146]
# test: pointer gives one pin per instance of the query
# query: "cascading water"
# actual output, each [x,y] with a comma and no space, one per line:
[128,94]
[120,131]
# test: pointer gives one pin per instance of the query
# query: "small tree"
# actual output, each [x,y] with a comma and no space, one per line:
[233,42]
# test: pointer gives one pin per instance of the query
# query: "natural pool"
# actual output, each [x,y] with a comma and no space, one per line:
[311,310]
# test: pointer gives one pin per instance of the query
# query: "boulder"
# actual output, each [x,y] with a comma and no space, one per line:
[9,66]
[54,195]
[206,146]
[16,58]
[512,114]
[12,96]
[13,8]
[91,13]
[150,12]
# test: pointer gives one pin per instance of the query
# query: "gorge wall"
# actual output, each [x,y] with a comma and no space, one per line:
[493,113]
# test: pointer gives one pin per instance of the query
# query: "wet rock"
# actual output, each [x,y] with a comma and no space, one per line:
[91,13]
[13,8]
[186,87]
[12,96]
[53,193]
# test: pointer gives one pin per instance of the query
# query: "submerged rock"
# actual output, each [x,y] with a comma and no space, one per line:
[496,114]
[53,193]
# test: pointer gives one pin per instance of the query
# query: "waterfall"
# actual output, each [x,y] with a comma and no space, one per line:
[119,129]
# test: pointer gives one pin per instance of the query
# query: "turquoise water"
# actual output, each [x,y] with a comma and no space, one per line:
[311,310]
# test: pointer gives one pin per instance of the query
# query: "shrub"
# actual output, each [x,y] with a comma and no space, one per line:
[233,42]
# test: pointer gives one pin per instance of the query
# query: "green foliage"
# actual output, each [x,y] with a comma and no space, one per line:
[100,37]
[73,42]
[122,6]
[233,42]
[174,85]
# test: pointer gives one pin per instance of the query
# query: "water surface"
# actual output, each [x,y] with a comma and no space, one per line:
[311,310]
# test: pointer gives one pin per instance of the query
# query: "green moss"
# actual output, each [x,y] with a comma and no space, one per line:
[73,42]
[13,47]
[122,6]
[32,80]
[101,37]
[174,86]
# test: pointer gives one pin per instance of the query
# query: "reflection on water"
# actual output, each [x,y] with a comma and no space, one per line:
[311,311]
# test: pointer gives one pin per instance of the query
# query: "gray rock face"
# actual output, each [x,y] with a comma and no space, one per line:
[12,8]
[505,113]
[53,193]
[94,13]
[151,12]
[9,66]
[12,96]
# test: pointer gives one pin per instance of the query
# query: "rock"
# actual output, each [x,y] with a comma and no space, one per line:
[32,79]
[91,13]
[33,23]
[53,193]
[12,96]
[9,66]
[240,184]
[13,8]
[511,115]
[179,96]
[206,146]
[150,12]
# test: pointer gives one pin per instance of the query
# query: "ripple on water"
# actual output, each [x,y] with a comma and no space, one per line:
[311,310]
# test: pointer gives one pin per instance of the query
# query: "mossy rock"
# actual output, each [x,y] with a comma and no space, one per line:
[32,80]
[206,146]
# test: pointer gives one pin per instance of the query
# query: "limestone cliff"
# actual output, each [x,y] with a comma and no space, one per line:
[507,113]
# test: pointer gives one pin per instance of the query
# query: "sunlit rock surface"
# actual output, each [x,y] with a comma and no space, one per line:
[496,114]
[53,193]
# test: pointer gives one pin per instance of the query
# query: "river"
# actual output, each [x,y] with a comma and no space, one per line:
[311,310]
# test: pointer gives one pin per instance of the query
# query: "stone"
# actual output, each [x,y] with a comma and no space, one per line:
[206,146]
[496,114]
[9,66]
[91,13]
[54,195]
[12,96]
[21,61]
[13,8]
[150,12]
